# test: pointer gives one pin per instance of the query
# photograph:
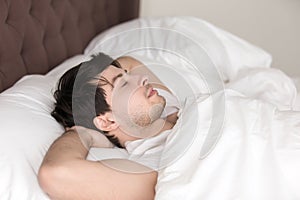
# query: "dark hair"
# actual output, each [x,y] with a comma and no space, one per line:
[78,100]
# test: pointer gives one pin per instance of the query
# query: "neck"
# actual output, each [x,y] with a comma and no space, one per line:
[123,137]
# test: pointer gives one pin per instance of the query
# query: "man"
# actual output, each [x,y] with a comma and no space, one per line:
[125,107]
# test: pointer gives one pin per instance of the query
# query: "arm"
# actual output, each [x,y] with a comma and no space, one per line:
[65,174]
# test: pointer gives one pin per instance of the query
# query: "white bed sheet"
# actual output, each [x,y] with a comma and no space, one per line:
[258,153]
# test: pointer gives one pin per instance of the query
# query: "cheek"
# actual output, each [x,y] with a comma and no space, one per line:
[138,100]
[120,99]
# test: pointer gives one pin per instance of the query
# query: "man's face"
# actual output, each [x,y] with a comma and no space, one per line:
[133,100]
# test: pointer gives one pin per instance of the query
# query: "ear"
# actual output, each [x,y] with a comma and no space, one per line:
[105,122]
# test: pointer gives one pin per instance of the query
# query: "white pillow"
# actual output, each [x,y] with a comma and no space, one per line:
[27,130]
[157,38]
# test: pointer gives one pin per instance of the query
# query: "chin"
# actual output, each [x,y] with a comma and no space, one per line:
[156,111]
[162,100]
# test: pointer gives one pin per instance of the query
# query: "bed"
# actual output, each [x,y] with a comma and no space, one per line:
[35,37]
[42,39]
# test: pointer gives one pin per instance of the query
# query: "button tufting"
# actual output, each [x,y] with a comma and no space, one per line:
[22,51]
[6,19]
[52,3]
[45,32]
[30,10]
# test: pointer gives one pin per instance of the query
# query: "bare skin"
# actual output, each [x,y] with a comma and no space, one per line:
[66,174]
[65,165]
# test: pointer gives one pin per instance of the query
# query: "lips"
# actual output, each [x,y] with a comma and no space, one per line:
[151,92]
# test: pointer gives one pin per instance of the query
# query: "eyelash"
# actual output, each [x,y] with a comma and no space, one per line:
[125,83]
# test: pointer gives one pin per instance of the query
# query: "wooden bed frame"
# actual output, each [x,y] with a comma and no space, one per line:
[37,35]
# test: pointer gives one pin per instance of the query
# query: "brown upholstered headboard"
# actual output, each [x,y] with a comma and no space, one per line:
[37,35]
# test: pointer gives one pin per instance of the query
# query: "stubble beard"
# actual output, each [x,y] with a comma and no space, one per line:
[145,119]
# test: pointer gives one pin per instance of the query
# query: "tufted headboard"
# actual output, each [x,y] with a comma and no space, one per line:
[37,35]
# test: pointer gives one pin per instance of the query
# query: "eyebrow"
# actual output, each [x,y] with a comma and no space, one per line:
[116,77]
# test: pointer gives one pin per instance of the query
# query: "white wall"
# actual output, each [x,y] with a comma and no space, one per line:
[273,25]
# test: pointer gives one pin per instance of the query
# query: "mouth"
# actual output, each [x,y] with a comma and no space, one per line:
[151,92]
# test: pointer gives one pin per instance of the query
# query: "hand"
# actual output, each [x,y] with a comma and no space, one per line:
[91,138]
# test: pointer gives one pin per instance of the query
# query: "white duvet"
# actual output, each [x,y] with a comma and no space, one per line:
[257,154]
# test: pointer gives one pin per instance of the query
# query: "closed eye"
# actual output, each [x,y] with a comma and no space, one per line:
[124,84]
[117,77]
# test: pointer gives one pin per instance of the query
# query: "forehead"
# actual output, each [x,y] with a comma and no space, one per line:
[110,72]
